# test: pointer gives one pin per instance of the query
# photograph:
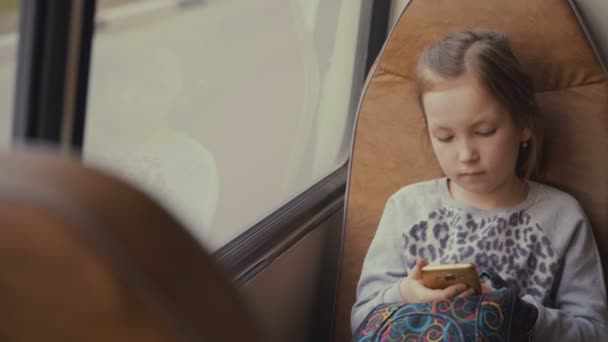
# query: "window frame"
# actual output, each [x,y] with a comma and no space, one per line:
[54,56]
[258,247]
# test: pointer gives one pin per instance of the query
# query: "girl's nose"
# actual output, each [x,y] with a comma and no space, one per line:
[467,153]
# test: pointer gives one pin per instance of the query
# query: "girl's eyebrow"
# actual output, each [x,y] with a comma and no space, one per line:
[480,122]
[475,125]
[436,127]
[485,117]
[486,122]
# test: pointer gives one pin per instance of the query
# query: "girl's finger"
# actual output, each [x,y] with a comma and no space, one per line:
[467,293]
[453,290]
[486,288]
[417,270]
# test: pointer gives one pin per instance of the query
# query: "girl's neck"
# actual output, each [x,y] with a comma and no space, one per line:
[509,194]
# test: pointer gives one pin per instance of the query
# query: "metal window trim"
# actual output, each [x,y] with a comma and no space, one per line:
[76,138]
[50,82]
[255,249]
[28,65]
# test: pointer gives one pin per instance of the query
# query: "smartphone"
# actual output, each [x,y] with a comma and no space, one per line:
[442,276]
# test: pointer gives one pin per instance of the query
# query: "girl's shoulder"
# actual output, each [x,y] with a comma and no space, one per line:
[554,199]
[559,215]
[412,202]
[429,191]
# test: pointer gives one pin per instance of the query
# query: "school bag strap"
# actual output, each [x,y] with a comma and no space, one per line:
[495,279]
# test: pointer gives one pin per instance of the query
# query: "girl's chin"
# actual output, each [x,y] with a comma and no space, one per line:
[471,186]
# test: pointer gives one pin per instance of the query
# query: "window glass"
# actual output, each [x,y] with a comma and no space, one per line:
[9,27]
[224,110]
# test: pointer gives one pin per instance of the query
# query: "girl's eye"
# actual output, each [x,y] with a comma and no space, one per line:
[487,133]
[444,139]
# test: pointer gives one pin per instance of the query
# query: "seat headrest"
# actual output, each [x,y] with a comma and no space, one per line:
[545,36]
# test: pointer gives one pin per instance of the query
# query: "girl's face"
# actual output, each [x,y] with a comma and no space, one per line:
[474,140]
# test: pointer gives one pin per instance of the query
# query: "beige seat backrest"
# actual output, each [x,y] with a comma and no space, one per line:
[85,257]
[389,150]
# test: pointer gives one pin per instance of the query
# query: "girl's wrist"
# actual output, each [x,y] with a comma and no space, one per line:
[402,286]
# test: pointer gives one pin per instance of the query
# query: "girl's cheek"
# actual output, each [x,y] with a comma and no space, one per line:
[438,151]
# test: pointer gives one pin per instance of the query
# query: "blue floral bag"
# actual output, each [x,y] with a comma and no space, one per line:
[495,316]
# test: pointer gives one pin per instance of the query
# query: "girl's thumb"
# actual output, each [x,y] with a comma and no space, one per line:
[417,270]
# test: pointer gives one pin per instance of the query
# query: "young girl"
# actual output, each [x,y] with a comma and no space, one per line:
[483,124]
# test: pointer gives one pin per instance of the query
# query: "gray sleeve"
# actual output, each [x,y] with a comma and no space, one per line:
[383,268]
[579,312]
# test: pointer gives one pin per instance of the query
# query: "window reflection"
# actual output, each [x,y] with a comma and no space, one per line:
[224,110]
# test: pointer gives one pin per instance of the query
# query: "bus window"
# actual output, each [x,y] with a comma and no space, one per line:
[9,28]
[223,110]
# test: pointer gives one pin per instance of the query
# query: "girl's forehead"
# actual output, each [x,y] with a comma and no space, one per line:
[460,101]
[466,82]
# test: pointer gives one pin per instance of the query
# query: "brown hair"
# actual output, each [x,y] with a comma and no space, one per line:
[487,55]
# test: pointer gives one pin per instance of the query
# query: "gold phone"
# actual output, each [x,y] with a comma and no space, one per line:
[442,276]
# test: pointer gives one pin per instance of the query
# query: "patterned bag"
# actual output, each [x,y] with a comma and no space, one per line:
[495,316]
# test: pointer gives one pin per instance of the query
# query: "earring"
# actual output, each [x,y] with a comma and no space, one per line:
[524,144]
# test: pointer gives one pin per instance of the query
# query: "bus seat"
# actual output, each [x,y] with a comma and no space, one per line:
[389,149]
[85,257]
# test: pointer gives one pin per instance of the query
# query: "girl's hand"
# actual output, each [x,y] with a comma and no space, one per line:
[486,288]
[413,290]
